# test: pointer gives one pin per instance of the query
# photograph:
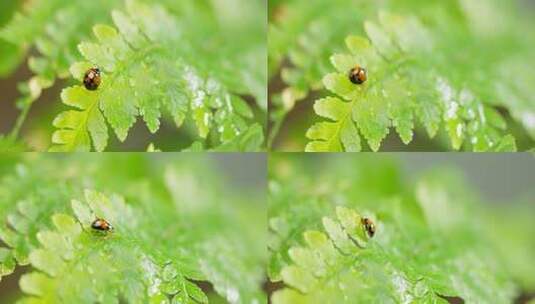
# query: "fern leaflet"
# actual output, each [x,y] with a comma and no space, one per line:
[165,240]
[322,251]
[399,89]
[142,74]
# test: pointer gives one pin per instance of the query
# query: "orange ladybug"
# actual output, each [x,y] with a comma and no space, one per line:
[357,75]
[102,225]
[92,79]
[369,226]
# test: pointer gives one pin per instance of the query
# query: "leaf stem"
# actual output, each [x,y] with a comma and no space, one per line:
[20,119]
[274,130]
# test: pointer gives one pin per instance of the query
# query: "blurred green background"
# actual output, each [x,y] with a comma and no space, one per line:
[497,177]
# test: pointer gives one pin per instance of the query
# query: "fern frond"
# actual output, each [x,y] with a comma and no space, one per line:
[304,37]
[235,70]
[143,73]
[399,89]
[322,252]
[327,267]
[165,239]
[25,209]
[92,267]
[250,140]
[26,26]
[54,28]
[233,266]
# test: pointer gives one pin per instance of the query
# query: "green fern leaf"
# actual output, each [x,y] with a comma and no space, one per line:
[7,262]
[164,241]
[130,272]
[303,36]
[143,74]
[250,140]
[54,28]
[322,252]
[24,27]
[399,89]
[23,213]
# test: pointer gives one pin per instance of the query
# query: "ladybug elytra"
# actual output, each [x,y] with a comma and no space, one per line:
[101,225]
[92,79]
[357,75]
[369,226]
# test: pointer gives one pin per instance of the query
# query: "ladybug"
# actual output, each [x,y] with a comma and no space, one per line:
[102,225]
[92,79]
[357,75]
[369,226]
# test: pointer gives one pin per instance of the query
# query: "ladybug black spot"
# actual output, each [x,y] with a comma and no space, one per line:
[369,226]
[92,79]
[357,75]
